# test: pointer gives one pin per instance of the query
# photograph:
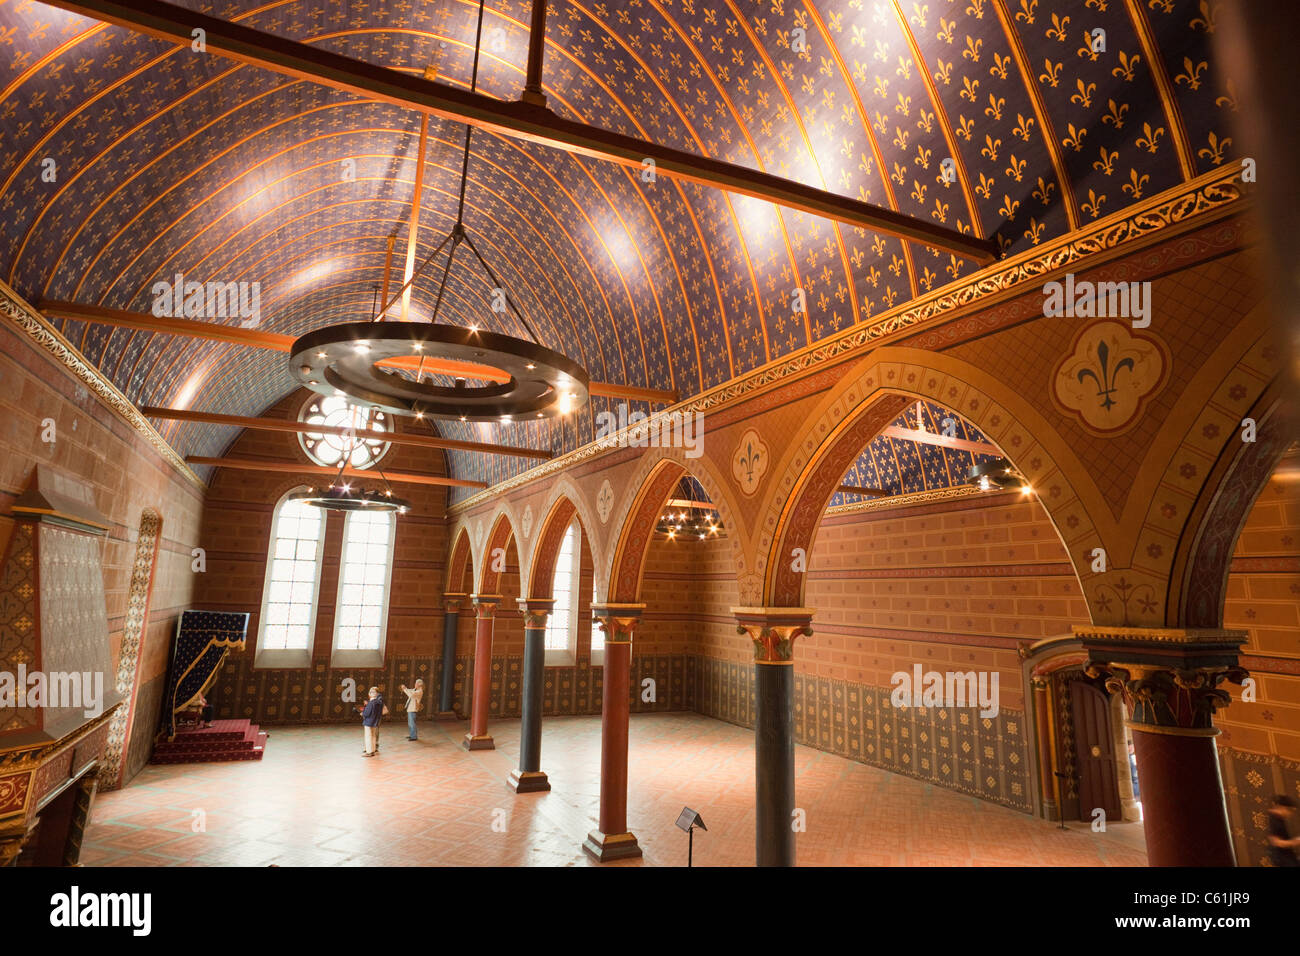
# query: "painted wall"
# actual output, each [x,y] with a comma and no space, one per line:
[1260,744]
[95,445]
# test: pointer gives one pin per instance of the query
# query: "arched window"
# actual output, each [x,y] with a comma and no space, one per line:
[561,627]
[289,598]
[361,618]
[597,635]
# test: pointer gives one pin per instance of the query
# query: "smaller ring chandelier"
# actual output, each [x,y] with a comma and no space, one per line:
[356,358]
[689,516]
[997,475]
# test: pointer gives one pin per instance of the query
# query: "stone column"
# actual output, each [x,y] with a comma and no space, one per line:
[450,623]
[529,778]
[1046,746]
[1169,678]
[773,631]
[478,737]
[613,841]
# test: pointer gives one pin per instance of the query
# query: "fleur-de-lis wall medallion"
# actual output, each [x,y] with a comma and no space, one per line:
[604,501]
[749,461]
[1109,375]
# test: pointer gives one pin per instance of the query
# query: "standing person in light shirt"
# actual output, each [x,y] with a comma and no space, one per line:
[414,695]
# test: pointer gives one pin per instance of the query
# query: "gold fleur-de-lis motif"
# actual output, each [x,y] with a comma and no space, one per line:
[920,11]
[1214,152]
[1206,21]
[1035,230]
[1115,117]
[1073,137]
[944,73]
[904,68]
[882,87]
[1107,162]
[1135,184]
[1058,28]
[1098,5]
[1084,95]
[945,30]
[882,51]
[976,9]
[1008,208]
[994,109]
[1023,127]
[1229,99]
[900,137]
[1044,191]
[904,105]
[918,193]
[1017,168]
[972,51]
[925,121]
[1000,65]
[990,148]
[964,128]
[899,175]
[896,265]
[1087,48]
[1150,140]
[1164,6]
[1127,66]
[1191,74]
[969,88]
[927,278]
[1026,12]
[922,157]
[985,186]
[953,268]
[1051,74]
[1093,206]
[873,276]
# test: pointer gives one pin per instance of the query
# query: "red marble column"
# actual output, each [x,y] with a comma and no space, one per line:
[478,737]
[613,840]
[1169,680]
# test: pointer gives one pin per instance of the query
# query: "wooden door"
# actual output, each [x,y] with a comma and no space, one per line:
[1094,752]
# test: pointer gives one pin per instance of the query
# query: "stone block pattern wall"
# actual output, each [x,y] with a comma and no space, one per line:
[1259,748]
[953,586]
[94,445]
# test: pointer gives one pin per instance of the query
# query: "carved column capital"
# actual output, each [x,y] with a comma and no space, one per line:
[1170,700]
[618,621]
[451,603]
[1168,676]
[485,605]
[535,611]
[773,630]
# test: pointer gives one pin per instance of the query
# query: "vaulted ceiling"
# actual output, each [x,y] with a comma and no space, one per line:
[170,161]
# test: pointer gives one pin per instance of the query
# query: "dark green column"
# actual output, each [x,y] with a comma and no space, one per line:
[773,631]
[450,623]
[529,778]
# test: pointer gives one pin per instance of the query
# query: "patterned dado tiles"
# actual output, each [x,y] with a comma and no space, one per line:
[267,696]
[1250,782]
[955,748]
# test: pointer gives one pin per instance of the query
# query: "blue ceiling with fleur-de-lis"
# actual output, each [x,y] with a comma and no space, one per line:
[127,160]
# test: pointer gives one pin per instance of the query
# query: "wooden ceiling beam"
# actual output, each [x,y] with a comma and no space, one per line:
[293,468]
[252,338]
[519,120]
[859,490]
[396,438]
[931,438]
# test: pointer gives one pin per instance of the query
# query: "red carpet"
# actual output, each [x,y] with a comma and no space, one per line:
[224,740]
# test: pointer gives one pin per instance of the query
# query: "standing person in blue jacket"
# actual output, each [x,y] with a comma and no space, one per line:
[371,715]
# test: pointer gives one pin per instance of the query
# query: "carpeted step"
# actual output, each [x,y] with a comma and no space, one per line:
[225,740]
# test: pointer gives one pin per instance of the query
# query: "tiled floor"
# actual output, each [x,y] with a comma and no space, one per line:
[315,801]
